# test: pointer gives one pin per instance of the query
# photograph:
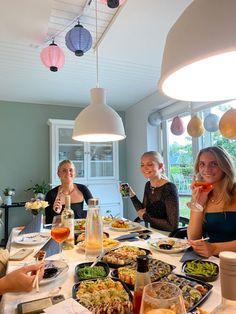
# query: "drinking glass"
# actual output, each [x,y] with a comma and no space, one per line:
[59,232]
[200,181]
[124,189]
[162,298]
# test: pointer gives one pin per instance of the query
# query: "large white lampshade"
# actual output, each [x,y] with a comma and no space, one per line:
[199,59]
[98,122]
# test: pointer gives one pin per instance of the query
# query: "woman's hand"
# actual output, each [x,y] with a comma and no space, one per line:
[21,279]
[199,195]
[141,212]
[202,247]
[57,206]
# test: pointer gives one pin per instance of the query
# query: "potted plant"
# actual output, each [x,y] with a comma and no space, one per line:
[8,192]
[39,190]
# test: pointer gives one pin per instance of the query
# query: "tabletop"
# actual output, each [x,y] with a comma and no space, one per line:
[63,284]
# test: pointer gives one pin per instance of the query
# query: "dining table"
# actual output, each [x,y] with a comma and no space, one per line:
[63,283]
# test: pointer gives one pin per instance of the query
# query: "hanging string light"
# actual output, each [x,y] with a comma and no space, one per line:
[52,57]
[78,40]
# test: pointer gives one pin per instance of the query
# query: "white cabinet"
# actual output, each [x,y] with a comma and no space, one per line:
[96,164]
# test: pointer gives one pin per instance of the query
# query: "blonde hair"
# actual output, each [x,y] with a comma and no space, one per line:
[63,162]
[226,164]
[158,159]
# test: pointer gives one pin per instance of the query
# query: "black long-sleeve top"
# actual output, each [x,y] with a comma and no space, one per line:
[162,206]
[77,207]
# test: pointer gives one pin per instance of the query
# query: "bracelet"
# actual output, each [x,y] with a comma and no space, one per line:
[194,206]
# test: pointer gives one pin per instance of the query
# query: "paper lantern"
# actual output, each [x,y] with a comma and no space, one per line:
[113,3]
[154,118]
[211,122]
[227,124]
[177,126]
[52,57]
[195,127]
[78,40]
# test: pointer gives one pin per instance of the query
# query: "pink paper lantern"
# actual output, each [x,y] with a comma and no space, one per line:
[52,57]
[112,3]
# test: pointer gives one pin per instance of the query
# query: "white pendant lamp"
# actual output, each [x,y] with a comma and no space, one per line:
[98,122]
[199,59]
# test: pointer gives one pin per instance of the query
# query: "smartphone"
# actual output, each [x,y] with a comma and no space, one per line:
[37,306]
[21,254]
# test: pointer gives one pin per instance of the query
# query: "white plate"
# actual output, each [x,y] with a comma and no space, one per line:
[179,246]
[61,266]
[132,226]
[32,238]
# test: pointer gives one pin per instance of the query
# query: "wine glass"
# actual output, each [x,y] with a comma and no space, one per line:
[199,181]
[162,298]
[59,232]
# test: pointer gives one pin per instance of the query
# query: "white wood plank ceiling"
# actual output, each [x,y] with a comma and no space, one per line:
[130,45]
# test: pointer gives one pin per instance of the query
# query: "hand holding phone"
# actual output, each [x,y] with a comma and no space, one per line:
[21,254]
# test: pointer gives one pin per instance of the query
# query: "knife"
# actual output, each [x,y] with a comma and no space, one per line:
[127,236]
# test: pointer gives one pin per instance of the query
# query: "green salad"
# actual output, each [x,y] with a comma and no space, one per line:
[88,272]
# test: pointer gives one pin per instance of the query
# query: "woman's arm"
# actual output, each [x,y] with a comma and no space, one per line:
[50,198]
[194,230]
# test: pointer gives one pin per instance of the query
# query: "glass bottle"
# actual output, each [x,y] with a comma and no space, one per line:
[93,231]
[67,216]
[142,279]
[228,283]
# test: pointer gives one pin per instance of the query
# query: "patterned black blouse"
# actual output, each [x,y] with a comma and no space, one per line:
[162,206]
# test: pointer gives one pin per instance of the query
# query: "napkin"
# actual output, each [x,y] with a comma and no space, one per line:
[51,248]
[68,306]
[189,255]
[33,226]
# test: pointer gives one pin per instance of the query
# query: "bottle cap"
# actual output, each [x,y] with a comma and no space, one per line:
[93,201]
[142,263]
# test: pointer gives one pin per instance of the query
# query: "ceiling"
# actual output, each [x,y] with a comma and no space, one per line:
[130,45]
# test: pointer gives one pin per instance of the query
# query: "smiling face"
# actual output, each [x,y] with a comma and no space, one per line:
[209,169]
[150,168]
[66,172]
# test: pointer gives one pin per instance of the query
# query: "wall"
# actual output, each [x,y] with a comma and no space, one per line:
[141,137]
[24,149]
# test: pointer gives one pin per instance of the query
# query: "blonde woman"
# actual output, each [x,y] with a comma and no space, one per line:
[160,206]
[213,212]
[56,197]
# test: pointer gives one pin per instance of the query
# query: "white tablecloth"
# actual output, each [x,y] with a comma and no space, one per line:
[63,285]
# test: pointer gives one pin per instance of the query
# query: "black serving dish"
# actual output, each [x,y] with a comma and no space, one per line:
[75,288]
[188,286]
[82,265]
[125,262]
[207,274]
[50,272]
[157,269]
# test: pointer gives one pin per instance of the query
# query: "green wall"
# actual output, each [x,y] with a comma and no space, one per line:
[24,149]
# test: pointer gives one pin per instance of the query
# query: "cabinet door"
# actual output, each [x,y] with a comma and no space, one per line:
[102,160]
[70,149]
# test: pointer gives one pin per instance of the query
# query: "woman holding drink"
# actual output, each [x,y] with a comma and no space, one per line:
[56,197]
[160,206]
[213,205]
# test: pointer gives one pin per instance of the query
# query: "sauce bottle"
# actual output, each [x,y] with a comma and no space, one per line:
[142,279]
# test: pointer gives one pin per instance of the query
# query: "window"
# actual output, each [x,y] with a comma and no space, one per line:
[181,150]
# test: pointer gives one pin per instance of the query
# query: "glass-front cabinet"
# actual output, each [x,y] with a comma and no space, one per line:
[96,163]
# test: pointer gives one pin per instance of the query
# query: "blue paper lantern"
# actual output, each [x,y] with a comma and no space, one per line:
[78,40]
[211,122]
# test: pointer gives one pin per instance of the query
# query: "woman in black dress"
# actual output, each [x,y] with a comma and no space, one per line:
[160,206]
[56,197]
